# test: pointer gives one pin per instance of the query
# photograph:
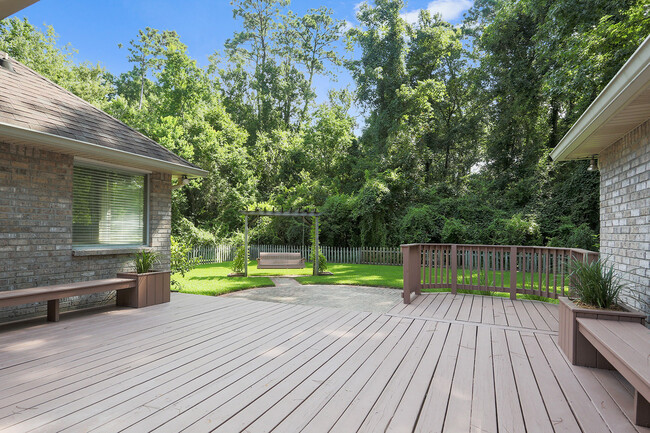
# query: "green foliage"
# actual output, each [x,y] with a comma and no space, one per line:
[38,50]
[188,234]
[239,263]
[145,260]
[180,262]
[322,260]
[568,235]
[454,232]
[459,120]
[421,224]
[594,283]
[515,231]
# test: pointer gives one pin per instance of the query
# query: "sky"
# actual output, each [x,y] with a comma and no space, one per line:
[95,28]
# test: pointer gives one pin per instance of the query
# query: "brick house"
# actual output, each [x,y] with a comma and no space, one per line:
[614,132]
[80,191]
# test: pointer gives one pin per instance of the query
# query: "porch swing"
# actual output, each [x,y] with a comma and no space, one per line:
[281,260]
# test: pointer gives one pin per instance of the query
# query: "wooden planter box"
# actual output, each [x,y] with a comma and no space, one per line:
[151,288]
[577,349]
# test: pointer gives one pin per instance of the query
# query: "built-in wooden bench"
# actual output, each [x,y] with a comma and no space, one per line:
[624,346]
[53,294]
[280,261]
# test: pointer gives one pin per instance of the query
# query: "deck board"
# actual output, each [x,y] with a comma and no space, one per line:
[443,363]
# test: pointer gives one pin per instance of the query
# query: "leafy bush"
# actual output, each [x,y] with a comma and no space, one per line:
[239,262]
[421,224]
[515,231]
[187,233]
[145,260]
[454,231]
[595,283]
[322,260]
[570,236]
[180,262]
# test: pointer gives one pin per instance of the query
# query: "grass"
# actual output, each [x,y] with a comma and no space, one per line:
[212,279]
[358,275]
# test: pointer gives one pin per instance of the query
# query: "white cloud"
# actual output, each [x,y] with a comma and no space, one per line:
[448,9]
[347,25]
[357,6]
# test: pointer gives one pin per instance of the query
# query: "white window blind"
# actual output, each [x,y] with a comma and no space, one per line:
[109,208]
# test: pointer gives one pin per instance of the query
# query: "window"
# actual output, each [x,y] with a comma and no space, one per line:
[109,207]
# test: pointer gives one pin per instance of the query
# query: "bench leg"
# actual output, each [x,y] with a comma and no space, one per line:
[53,310]
[641,410]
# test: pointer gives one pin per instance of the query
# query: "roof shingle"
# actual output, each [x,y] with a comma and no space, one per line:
[29,100]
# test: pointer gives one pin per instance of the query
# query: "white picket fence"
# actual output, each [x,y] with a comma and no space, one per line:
[354,255]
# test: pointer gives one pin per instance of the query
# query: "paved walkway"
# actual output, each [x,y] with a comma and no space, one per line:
[351,298]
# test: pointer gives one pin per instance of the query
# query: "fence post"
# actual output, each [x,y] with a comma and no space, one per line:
[454,269]
[513,272]
[411,271]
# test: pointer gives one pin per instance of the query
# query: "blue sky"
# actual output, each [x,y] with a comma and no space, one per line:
[96,27]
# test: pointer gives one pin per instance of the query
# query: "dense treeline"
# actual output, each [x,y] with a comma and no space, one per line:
[459,119]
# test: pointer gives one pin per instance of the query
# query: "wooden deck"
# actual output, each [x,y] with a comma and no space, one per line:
[226,364]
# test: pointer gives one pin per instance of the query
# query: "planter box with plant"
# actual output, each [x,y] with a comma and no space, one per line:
[594,294]
[152,287]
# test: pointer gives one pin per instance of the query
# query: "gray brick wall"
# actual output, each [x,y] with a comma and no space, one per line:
[625,213]
[36,229]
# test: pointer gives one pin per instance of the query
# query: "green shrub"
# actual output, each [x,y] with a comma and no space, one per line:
[454,232]
[188,233]
[515,231]
[145,260]
[239,262]
[421,224]
[180,262]
[595,283]
[570,236]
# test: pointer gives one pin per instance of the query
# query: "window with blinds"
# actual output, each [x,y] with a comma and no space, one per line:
[109,208]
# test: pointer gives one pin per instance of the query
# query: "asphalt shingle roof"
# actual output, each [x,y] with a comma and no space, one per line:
[31,101]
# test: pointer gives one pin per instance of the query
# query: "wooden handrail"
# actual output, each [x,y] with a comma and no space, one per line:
[513,269]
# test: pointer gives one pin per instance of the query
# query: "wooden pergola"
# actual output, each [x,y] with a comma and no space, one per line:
[281,213]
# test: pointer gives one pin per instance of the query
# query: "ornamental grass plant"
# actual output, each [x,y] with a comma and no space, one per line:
[595,283]
[145,261]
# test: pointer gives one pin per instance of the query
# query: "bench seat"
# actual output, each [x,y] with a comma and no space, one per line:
[626,347]
[52,294]
[280,261]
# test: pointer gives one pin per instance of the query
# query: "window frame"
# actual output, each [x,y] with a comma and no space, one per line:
[110,168]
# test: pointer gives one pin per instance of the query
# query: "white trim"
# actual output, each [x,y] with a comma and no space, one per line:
[631,79]
[101,164]
[85,149]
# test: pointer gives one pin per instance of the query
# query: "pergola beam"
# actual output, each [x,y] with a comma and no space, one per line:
[281,213]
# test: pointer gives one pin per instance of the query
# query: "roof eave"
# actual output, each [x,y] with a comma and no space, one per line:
[10,7]
[628,82]
[94,151]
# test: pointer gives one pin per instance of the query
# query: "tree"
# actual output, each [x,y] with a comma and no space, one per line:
[145,52]
[38,50]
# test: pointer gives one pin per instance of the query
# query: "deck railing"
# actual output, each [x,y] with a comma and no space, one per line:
[541,271]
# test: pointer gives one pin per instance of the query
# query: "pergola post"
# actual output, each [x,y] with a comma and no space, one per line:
[316,247]
[246,246]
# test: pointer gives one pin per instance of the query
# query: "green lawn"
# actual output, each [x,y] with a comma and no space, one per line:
[212,279]
[359,275]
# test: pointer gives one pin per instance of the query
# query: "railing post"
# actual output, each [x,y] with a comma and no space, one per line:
[513,273]
[411,271]
[454,269]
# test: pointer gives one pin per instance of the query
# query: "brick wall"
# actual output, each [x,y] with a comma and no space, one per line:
[36,229]
[625,213]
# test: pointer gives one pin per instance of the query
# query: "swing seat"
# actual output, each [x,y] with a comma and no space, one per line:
[280,261]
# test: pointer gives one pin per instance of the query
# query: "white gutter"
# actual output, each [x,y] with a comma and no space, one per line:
[94,151]
[626,84]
